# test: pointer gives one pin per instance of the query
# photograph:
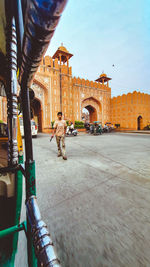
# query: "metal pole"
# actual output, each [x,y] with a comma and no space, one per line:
[19,28]
[27,123]
[20,21]
[12,95]
[29,167]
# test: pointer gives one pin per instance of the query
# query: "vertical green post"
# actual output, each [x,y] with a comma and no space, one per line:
[30,179]
[30,191]
[18,194]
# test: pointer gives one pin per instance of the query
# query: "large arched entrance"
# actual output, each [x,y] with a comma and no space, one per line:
[36,113]
[92,113]
[139,123]
[93,107]
[40,105]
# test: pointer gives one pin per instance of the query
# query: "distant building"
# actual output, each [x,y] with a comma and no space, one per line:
[56,90]
[131,111]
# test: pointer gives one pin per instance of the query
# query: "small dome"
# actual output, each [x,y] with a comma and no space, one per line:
[103,75]
[62,48]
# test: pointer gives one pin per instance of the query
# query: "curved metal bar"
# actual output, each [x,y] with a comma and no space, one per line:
[44,247]
[41,19]
[19,29]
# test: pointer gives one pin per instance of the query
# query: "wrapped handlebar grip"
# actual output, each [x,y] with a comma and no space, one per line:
[44,247]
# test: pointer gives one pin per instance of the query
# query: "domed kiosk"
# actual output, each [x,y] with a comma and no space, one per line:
[103,79]
[62,54]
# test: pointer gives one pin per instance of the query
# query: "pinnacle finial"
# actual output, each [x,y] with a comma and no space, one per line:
[62,44]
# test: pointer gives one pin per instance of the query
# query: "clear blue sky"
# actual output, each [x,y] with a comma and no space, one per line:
[102,33]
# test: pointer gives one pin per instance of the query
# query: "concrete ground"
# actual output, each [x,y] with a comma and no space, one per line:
[97,203]
[137,131]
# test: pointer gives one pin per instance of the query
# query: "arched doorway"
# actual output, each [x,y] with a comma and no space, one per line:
[140,123]
[93,108]
[91,113]
[85,115]
[36,113]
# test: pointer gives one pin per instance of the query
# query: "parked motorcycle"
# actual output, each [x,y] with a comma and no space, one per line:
[87,127]
[108,127]
[96,128]
[71,132]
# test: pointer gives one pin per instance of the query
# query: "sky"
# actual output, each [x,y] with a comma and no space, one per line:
[101,34]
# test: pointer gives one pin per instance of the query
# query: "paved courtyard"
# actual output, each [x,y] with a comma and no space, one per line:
[97,203]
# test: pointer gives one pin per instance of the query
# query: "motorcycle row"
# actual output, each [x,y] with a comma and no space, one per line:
[96,128]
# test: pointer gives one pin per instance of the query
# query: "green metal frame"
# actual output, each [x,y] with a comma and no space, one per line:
[12,230]
[17,226]
[30,190]
[18,208]
[22,34]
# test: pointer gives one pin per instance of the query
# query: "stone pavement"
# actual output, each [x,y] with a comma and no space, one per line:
[97,203]
[138,131]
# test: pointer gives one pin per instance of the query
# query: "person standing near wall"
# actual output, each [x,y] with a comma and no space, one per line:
[60,131]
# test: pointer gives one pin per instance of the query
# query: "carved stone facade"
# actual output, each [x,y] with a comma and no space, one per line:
[56,90]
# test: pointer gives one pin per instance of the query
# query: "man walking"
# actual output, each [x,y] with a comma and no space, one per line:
[60,131]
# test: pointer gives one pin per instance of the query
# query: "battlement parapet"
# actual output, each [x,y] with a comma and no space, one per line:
[131,97]
[47,63]
[47,60]
[92,84]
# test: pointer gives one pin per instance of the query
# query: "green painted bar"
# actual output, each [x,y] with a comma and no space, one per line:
[30,190]
[30,179]
[12,230]
[18,194]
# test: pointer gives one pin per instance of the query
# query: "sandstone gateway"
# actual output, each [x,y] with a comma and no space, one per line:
[56,90]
